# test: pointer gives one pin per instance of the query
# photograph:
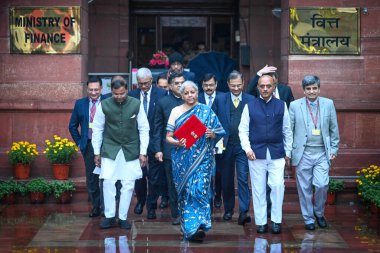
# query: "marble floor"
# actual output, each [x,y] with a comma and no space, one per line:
[56,228]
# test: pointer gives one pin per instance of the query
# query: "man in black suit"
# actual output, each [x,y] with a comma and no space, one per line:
[82,117]
[282,91]
[161,148]
[209,85]
[149,96]
[229,107]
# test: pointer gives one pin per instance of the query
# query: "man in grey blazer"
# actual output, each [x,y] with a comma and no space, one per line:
[315,145]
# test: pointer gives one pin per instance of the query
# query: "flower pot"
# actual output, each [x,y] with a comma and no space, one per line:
[61,171]
[9,199]
[374,209]
[22,171]
[331,198]
[64,198]
[37,197]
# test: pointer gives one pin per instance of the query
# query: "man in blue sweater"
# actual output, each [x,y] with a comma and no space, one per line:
[266,137]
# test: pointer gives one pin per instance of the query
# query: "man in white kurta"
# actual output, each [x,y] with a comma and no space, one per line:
[114,130]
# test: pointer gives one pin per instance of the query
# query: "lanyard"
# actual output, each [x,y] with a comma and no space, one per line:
[315,120]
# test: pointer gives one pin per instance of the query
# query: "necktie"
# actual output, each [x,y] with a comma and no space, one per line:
[145,102]
[236,102]
[92,115]
[209,101]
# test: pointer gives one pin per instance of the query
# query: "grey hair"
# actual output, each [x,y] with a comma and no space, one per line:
[187,83]
[234,75]
[143,72]
[310,80]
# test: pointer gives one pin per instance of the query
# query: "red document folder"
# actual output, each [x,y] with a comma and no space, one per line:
[191,130]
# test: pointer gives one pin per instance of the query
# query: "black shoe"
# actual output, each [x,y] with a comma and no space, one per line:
[276,228]
[176,221]
[244,218]
[218,203]
[321,222]
[95,212]
[164,203]
[124,224]
[138,208]
[107,223]
[151,214]
[261,229]
[228,215]
[310,226]
[199,236]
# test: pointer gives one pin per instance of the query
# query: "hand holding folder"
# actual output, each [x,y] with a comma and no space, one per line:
[191,131]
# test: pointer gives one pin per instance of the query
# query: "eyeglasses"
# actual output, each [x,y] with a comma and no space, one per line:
[144,83]
[208,84]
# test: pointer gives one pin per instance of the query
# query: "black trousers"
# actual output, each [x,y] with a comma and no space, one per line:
[141,187]
[92,180]
[154,182]
[172,192]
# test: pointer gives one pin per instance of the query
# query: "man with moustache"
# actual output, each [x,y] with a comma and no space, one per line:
[209,85]
[161,148]
[82,117]
[316,144]
[266,138]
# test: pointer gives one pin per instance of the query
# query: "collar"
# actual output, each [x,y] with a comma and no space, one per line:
[268,99]
[239,97]
[148,92]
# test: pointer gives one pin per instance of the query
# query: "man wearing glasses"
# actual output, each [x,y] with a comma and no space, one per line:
[161,148]
[209,85]
[229,107]
[148,96]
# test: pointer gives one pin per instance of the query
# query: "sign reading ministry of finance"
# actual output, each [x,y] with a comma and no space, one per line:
[315,30]
[44,30]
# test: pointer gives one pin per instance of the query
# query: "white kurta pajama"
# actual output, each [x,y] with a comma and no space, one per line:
[258,171]
[119,169]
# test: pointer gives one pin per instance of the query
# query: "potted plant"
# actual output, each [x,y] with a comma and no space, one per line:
[62,190]
[335,185]
[60,152]
[38,189]
[369,186]
[159,60]
[8,190]
[21,155]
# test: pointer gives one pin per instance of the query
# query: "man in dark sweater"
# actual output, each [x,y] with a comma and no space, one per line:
[161,148]
[266,138]
[228,107]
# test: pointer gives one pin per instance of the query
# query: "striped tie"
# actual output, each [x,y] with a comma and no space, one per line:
[145,102]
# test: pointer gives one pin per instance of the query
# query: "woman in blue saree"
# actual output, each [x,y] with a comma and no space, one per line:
[192,168]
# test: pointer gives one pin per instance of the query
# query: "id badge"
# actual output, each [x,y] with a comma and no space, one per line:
[316,132]
[90,125]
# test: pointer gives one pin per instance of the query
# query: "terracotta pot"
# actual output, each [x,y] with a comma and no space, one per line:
[61,171]
[9,199]
[374,209]
[22,171]
[37,197]
[64,198]
[331,198]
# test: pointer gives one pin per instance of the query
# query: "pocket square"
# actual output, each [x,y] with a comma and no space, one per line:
[133,116]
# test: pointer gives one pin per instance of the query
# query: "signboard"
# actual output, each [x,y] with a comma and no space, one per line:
[44,30]
[315,30]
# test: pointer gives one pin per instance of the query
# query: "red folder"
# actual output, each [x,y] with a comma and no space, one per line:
[191,130]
